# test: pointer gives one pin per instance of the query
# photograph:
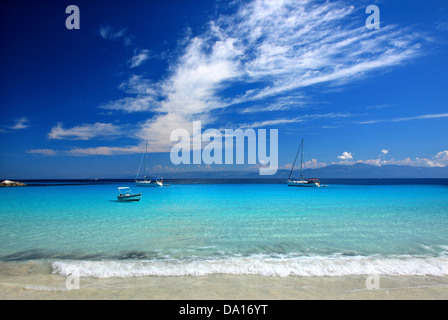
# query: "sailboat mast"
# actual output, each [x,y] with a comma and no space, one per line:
[301,162]
[146,163]
[295,159]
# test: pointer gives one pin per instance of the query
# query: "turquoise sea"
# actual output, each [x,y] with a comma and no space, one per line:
[220,227]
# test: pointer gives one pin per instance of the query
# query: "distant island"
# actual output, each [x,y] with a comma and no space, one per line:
[337,171]
[8,183]
[367,171]
[334,171]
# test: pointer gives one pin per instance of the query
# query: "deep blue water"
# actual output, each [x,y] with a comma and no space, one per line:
[195,227]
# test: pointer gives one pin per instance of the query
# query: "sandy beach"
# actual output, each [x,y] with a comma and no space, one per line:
[42,286]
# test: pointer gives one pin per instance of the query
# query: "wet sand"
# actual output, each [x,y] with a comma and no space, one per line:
[222,287]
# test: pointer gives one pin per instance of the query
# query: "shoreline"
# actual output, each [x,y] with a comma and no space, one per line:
[222,287]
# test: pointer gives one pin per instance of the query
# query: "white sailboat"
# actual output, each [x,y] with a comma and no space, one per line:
[147,181]
[302,182]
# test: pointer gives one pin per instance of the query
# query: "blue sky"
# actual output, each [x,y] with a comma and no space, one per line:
[82,103]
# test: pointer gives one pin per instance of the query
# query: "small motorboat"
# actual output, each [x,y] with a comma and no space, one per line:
[127,195]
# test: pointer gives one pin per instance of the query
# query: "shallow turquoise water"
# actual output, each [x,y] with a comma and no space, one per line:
[193,229]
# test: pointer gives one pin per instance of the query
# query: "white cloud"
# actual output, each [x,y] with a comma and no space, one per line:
[138,85]
[295,120]
[295,44]
[44,152]
[313,164]
[275,47]
[21,123]
[438,160]
[417,162]
[140,103]
[139,57]
[272,107]
[106,151]
[384,151]
[145,96]
[189,94]
[291,101]
[420,117]
[85,131]
[109,33]
[346,156]
[268,123]
[442,156]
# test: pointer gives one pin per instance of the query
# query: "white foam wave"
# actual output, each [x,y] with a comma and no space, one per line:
[260,265]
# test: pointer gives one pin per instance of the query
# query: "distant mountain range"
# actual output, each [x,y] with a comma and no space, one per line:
[362,170]
[355,171]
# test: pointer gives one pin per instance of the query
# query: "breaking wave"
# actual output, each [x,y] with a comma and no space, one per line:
[335,265]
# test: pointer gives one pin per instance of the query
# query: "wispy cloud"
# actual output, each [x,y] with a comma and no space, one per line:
[138,85]
[96,151]
[303,118]
[105,151]
[269,123]
[189,93]
[291,101]
[274,48]
[145,97]
[85,131]
[139,103]
[139,57]
[109,33]
[295,44]
[419,117]
[21,123]
[43,152]
[267,108]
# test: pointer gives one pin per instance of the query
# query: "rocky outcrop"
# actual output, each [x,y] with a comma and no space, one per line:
[8,183]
